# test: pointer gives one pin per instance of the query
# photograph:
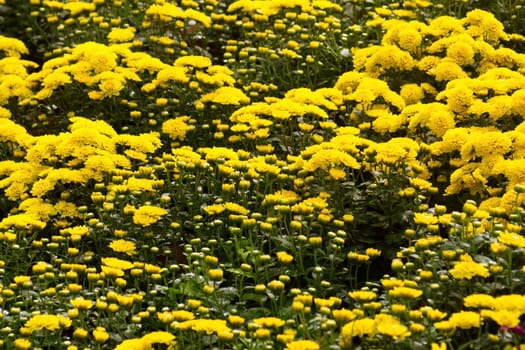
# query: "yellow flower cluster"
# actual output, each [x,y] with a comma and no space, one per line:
[250,190]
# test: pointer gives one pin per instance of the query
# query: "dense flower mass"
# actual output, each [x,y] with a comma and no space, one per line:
[300,175]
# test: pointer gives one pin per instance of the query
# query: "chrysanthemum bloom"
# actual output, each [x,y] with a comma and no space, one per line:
[479,300]
[235,320]
[148,215]
[215,274]
[284,257]
[468,269]
[100,335]
[417,327]
[357,328]
[405,292]
[49,322]
[372,252]
[165,317]
[276,285]
[465,319]
[22,344]
[146,342]
[411,93]
[504,318]
[119,35]
[409,38]
[286,336]
[80,333]
[112,271]
[390,325]
[117,263]
[269,322]
[177,128]
[343,315]
[226,95]
[208,326]
[123,246]
[82,304]
[236,208]
[315,241]
[193,61]
[133,344]
[514,302]
[20,280]
[362,295]
[80,231]
[512,239]
[433,314]
[75,8]
[441,346]
[302,345]
[461,52]
[125,300]
[182,315]
[262,333]
[12,47]
[281,197]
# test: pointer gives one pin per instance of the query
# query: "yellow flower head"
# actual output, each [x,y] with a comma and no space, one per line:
[479,300]
[13,47]
[209,326]
[362,295]
[302,345]
[100,335]
[123,246]
[357,328]
[148,215]
[226,95]
[504,318]
[177,128]
[512,239]
[409,38]
[461,52]
[390,325]
[182,315]
[468,270]
[119,35]
[117,263]
[284,257]
[269,322]
[405,292]
[465,319]
[49,322]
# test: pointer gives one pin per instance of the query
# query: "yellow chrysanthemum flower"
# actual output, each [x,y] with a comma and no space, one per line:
[123,246]
[147,215]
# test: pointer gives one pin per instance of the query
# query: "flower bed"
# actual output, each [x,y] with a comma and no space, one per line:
[262,175]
